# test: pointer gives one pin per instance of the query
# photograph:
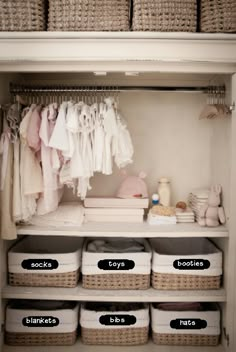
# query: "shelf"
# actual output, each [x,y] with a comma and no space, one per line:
[127,230]
[150,347]
[80,294]
[118,35]
[81,52]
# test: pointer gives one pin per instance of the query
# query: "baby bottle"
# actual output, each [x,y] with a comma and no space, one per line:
[164,191]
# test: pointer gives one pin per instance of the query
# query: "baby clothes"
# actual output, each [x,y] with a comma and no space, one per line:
[30,171]
[49,200]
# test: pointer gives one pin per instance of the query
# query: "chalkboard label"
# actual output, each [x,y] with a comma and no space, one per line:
[190,324]
[191,264]
[116,264]
[119,319]
[39,264]
[40,321]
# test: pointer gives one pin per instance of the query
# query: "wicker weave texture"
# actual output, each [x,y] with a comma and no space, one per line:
[22,15]
[184,282]
[39,339]
[116,281]
[165,16]
[218,16]
[87,15]
[69,279]
[115,337]
[185,339]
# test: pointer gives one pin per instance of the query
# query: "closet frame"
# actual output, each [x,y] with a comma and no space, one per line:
[169,53]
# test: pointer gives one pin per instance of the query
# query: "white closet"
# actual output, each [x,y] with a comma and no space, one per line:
[169,139]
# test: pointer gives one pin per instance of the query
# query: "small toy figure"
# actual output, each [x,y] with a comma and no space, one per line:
[212,214]
[155,199]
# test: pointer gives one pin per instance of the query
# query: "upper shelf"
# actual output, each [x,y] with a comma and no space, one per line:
[127,230]
[116,52]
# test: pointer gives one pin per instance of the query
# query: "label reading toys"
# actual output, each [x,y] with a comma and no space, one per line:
[188,324]
[191,264]
[119,319]
[39,321]
[39,264]
[116,264]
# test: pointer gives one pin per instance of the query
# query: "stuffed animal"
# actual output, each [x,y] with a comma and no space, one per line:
[212,214]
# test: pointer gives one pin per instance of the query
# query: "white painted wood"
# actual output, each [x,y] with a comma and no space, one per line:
[230,318]
[119,35]
[80,294]
[127,230]
[150,347]
[43,52]
[146,52]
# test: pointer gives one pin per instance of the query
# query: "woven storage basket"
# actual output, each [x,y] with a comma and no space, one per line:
[22,15]
[165,16]
[218,16]
[65,333]
[163,334]
[138,277]
[85,15]
[165,276]
[95,333]
[26,256]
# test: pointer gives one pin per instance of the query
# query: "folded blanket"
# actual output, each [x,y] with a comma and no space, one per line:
[67,214]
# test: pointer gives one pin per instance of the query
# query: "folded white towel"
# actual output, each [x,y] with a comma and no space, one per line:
[67,214]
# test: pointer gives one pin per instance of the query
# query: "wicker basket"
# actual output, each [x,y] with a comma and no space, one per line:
[185,282]
[65,252]
[138,277]
[164,334]
[69,279]
[166,276]
[165,16]
[93,332]
[218,16]
[22,15]
[85,15]
[27,339]
[185,340]
[117,282]
[19,333]
[115,337]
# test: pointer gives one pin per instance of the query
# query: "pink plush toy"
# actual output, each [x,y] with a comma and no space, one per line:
[212,214]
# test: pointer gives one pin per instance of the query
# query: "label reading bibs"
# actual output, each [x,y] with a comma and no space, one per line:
[119,319]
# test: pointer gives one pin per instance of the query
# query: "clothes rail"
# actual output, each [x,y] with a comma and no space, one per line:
[24,89]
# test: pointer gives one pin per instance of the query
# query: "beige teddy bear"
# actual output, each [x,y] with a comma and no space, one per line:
[212,214]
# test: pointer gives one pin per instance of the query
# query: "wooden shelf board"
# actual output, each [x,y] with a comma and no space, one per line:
[80,294]
[127,230]
[150,347]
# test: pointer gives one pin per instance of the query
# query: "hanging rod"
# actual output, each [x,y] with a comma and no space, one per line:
[24,89]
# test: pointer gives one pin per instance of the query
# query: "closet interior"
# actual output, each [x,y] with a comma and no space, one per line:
[161,110]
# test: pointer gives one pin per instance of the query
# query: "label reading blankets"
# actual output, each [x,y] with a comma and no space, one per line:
[39,264]
[190,324]
[39,321]
[191,264]
[116,264]
[119,319]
